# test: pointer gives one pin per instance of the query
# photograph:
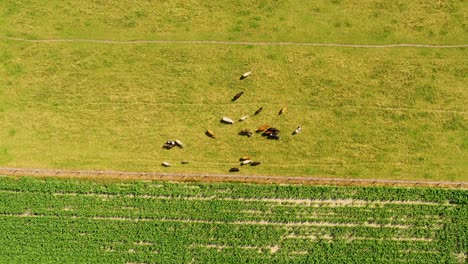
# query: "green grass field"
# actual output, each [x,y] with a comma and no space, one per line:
[366,113]
[70,221]
[343,21]
[384,113]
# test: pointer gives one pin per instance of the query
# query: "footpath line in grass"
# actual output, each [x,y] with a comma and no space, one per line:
[121,175]
[220,42]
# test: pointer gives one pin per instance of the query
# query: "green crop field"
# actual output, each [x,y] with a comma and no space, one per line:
[71,221]
[395,113]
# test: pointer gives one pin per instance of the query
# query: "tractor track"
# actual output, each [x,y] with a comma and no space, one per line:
[199,177]
[253,43]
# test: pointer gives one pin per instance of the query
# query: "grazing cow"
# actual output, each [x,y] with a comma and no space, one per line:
[273,136]
[298,129]
[262,128]
[210,134]
[243,118]
[244,158]
[282,110]
[179,143]
[245,162]
[184,162]
[271,131]
[234,169]
[255,163]
[169,144]
[245,75]
[258,111]
[227,120]
[237,96]
[166,164]
[246,132]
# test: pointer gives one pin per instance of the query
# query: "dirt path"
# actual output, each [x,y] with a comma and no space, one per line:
[192,177]
[216,42]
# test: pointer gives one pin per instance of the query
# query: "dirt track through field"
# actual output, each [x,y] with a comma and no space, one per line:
[216,42]
[233,177]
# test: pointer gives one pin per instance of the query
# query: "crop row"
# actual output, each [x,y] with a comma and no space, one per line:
[233,190]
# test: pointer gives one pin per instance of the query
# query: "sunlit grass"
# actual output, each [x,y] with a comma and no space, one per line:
[396,113]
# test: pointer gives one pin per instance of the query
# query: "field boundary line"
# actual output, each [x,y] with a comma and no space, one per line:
[352,107]
[202,177]
[260,43]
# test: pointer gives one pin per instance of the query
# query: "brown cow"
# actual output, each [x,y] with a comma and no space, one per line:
[262,128]
[244,158]
[270,131]
[246,132]
[210,134]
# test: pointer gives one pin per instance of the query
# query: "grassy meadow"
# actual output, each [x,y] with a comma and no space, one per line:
[366,113]
[369,113]
[342,21]
[71,221]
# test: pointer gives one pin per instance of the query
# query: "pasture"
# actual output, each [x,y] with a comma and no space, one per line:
[366,113]
[397,113]
[70,221]
[341,21]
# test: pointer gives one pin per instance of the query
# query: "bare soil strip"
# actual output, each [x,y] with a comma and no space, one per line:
[286,43]
[353,107]
[350,239]
[193,177]
[271,249]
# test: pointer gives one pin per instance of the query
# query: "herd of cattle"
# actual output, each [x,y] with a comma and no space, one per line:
[266,130]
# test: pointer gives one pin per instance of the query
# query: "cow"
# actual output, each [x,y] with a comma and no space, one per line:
[258,111]
[234,169]
[245,75]
[255,163]
[244,158]
[243,118]
[271,131]
[282,110]
[246,132]
[262,128]
[237,96]
[169,144]
[273,136]
[227,120]
[179,143]
[166,164]
[245,162]
[210,134]
[298,129]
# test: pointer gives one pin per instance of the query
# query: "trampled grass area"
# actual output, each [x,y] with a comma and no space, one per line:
[70,221]
[367,113]
[342,21]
